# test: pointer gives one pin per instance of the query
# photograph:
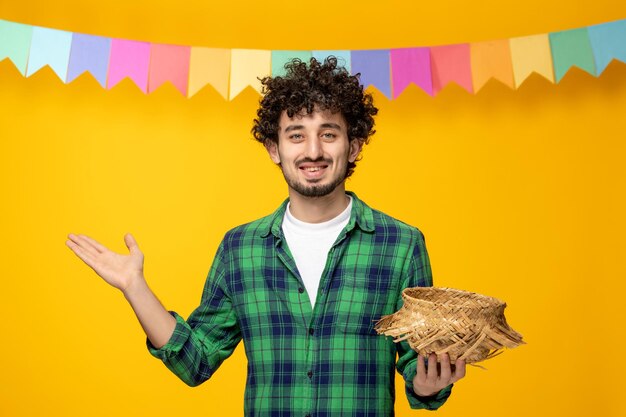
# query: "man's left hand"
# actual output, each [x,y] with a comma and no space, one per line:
[430,381]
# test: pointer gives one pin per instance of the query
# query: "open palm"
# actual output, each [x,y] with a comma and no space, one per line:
[116,269]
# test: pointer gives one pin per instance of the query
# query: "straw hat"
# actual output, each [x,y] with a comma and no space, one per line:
[466,325]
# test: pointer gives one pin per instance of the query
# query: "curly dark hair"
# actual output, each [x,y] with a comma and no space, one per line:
[326,85]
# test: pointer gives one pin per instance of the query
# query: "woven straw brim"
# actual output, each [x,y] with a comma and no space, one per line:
[465,325]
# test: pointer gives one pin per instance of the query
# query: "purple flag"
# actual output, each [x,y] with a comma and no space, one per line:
[89,53]
[373,65]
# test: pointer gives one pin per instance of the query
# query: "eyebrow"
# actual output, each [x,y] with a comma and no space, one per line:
[323,126]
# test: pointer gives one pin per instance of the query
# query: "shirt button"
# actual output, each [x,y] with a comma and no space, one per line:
[300,290]
[310,374]
[311,331]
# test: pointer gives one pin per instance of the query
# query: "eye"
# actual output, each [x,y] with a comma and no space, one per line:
[295,136]
[329,135]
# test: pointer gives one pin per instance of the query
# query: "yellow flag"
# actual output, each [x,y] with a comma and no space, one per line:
[531,54]
[245,66]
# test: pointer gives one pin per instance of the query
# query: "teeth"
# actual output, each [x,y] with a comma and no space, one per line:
[312,169]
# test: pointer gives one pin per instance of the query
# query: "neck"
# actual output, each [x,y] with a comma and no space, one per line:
[318,209]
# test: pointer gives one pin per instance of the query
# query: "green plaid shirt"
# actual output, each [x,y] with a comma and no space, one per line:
[303,361]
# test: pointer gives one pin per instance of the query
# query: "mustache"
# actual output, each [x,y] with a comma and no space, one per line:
[310,160]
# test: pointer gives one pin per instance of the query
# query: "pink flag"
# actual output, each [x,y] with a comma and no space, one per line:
[129,59]
[451,63]
[411,65]
[169,63]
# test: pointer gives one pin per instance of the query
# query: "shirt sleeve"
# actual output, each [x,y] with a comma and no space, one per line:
[200,344]
[419,275]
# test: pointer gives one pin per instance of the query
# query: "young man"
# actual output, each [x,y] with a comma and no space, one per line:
[303,286]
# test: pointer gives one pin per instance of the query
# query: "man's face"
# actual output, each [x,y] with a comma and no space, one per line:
[313,152]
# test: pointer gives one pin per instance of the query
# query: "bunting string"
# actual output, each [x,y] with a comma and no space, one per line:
[391,71]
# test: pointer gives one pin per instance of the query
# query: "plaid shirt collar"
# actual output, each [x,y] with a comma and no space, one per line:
[360,216]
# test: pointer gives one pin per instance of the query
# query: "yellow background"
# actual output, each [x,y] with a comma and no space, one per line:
[520,195]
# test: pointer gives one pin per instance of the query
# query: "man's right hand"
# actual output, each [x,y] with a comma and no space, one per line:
[120,271]
[125,272]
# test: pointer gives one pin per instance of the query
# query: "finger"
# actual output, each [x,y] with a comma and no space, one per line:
[97,246]
[459,372]
[432,374]
[83,244]
[445,368]
[131,243]
[421,368]
[81,253]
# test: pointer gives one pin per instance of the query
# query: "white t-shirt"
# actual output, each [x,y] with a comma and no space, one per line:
[309,244]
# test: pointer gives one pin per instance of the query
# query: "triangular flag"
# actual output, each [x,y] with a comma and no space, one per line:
[531,54]
[15,43]
[209,66]
[411,65]
[374,67]
[280,58]
[451,63]
[491,59]
[608,42]
[49,47]
[569,48]
[343,57]
[169,63]
[245,66]
[89,53]
[129,59]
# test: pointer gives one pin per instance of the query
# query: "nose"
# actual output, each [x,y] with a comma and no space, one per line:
[314,148]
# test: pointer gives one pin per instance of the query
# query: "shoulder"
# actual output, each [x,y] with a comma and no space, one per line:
[386,225]
[247,232]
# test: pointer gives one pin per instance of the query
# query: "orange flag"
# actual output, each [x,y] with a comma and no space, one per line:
[209,66]
[491,59]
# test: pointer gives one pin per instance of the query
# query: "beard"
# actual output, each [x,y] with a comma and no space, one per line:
[313,190]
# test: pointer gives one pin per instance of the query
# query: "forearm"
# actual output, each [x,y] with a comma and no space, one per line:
[156,321]
[197,346]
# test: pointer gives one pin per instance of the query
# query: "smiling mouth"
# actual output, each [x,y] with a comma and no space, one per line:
[313,173]
[314,169]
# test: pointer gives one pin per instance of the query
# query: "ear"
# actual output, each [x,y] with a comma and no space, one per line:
[272,149]
[355,148]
